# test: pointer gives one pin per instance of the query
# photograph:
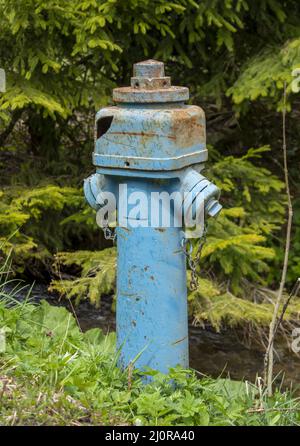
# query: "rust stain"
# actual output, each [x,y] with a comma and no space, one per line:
[149,68]
[143,134]
[178,251]
[188,129]
[163,94]
[129,295]
[179,340]
[162,89]
[116,141]
[153,83]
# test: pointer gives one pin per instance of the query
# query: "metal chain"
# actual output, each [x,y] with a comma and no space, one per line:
[187,249]
[109,234]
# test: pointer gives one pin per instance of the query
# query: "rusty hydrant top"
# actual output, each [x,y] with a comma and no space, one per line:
[150,128]
[149,85]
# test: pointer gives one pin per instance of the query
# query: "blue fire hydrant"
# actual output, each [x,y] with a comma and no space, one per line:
[145,147]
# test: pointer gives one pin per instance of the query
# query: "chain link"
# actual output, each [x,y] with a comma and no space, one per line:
[187,249]
[109,234]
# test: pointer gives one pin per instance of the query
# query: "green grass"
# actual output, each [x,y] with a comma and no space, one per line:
[51,373]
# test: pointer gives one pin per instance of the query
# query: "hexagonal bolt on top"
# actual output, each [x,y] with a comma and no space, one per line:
[149,68]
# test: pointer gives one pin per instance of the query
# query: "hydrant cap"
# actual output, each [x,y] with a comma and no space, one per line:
[150,85]
[149,68]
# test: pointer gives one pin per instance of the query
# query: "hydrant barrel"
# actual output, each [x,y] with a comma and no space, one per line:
[149,152]
[151,303]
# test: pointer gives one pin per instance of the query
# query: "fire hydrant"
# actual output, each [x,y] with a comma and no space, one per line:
[145,147]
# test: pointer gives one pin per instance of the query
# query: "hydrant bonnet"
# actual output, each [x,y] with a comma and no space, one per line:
[150,128]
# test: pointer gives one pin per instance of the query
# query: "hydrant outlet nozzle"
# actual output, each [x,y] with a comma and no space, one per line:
[92,187]
[213,208]
[193,182]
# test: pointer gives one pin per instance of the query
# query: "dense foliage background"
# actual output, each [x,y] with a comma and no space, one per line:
[62,60]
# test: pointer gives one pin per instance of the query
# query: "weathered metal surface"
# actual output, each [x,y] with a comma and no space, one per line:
[153,83]
[150,85]
[92,188]
[192,181]
[151,293]
[94,185]
[151,138]
[148,141]
[2,81]
[149,75]
[132,95]
[149,68]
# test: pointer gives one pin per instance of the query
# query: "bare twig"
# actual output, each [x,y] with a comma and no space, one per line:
[279,320]
[129,376]
[269,356]
[293,293]
[69,300]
